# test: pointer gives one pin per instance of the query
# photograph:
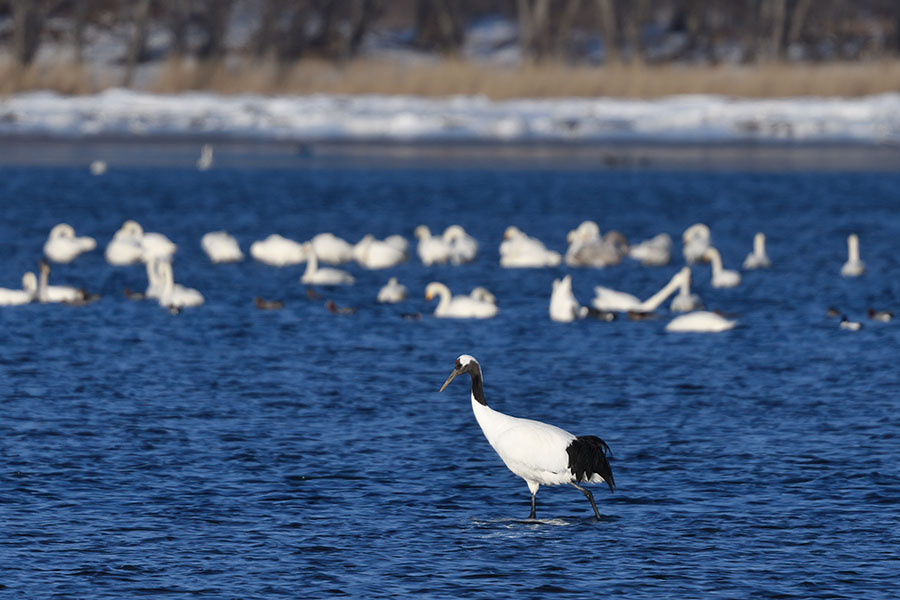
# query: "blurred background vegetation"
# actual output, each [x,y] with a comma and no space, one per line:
[500,48]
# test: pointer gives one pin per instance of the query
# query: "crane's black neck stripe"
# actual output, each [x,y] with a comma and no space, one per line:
[477,384]
[587,456]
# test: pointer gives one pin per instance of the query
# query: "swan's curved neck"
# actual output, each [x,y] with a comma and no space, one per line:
[42,284]
[312,263]
[759,245]
[444,292]
[716,260]
[653,302]
[167,277]
[853,248]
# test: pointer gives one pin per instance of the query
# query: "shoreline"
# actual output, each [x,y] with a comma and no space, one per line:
[231,152]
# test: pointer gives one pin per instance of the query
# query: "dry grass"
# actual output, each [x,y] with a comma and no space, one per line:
[454,77]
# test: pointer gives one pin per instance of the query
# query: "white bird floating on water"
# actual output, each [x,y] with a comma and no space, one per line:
[331,249]
[175,296]
[322,276]
[587,248]
[564,307]
[609,300]
[221,247]
[392,292]
[57,293]
[758,258]
[700,321]
[458,307]
[432,250]
[132,244]
[854,267]
[63,247]
[721,278]
[205,162]
[278,251]
[520,251]
[655,252]
[371,253]
[539,453]
[850,325]
[98,167]
[696,240]
[28,293]
[463,247]
[685,301]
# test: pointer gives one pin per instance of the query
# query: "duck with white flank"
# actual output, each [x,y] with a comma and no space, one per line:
[758,258]
[63,247]
[458,307]
[721,278]
[322,276]
[854,267]
[537,452]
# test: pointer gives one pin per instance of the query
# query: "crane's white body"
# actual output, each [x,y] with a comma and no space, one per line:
[564,306]
[458,307]
[700,321]
[221,247]
[392,292]
[721,278]
[854,267]
[758,259]
[28,293]
[278,251]
[521,251]
[62,246]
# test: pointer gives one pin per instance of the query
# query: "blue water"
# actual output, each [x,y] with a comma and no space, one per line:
[228,452]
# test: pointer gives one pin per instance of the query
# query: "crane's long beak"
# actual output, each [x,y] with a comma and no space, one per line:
[449,379]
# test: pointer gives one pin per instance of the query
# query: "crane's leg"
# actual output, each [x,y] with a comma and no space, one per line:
[533,514]
[589,496]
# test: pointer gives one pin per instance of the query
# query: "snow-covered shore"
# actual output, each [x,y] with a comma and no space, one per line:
[692,119]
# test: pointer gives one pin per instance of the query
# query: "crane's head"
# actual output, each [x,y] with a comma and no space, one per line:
[464,364]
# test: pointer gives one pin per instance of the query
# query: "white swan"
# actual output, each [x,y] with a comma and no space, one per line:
[125,247]
[758,258]
[696,240]
[174,295]
[56,293]
[156,245]
[63,247]
[155,279]
[205,162]
[278,251]
[324,276]
[28,293]
[721,278]
[564,307]
[609,300]
[700,321]
[392,292]
[463,247]
[854,267]
[518,250]
[432,250]
[221,247]
[458,307]
[482,294]
[587,248]
[684,300]
[379,254]
[331,249]
[655,252]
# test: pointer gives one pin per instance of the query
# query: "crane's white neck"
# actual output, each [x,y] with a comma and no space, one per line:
[853,247]
[653,302]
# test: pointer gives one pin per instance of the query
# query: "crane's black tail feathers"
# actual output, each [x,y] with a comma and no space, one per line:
[588,456]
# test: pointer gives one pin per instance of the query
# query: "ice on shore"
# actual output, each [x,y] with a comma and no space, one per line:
[696,118]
